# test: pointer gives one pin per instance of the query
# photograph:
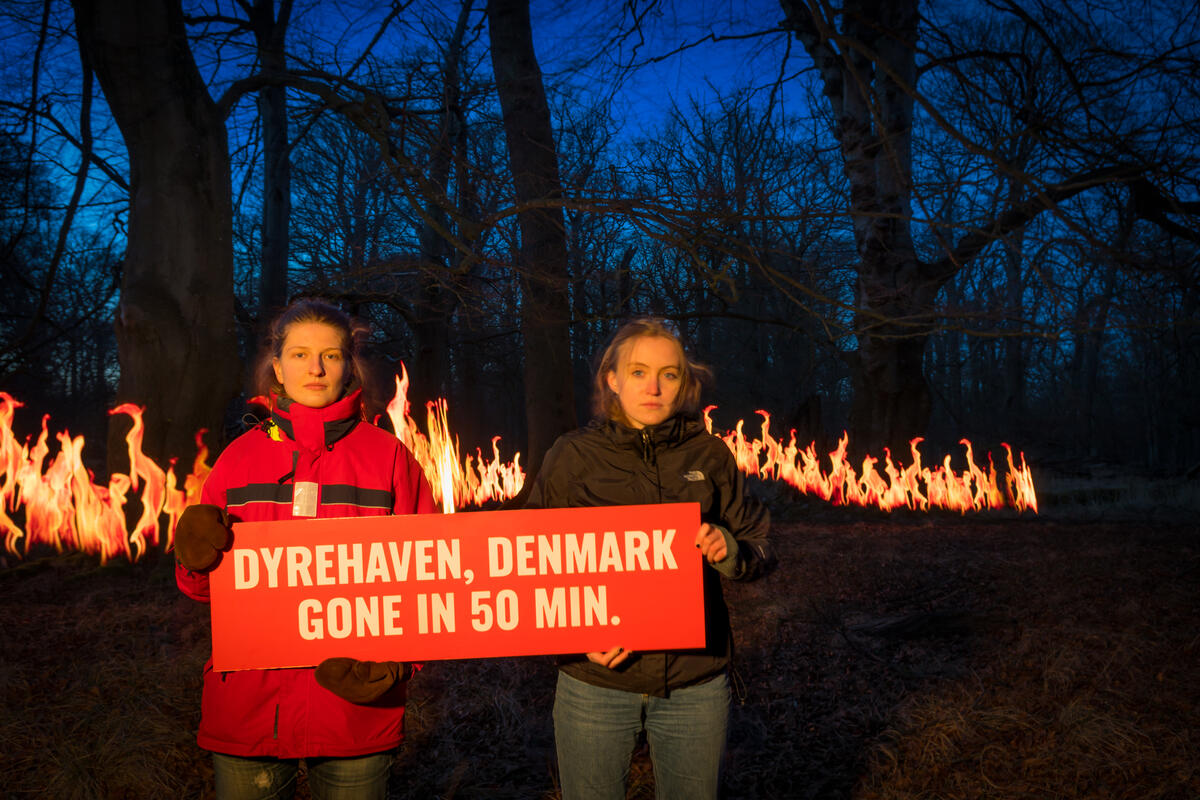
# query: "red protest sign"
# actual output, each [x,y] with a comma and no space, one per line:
[482,584]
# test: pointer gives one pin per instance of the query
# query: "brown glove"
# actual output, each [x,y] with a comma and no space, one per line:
[200,536]
[361,681]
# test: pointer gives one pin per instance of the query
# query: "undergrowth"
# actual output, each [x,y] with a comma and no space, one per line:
[889,657]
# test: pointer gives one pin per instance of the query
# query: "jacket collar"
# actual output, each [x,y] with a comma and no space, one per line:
[318,428]
[646,441]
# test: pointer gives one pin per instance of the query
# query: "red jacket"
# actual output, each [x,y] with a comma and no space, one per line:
[361,471]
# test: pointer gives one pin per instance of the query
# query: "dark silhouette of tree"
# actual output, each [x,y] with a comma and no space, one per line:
[542,264]
[869,59]
[174,322]
[436,298]
[929,218]
[269,26]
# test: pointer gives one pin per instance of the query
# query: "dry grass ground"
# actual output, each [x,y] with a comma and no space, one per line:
[889,657]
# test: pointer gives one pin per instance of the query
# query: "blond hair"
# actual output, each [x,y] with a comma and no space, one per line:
[606,404]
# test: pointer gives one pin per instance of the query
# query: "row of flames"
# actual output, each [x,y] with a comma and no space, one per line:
[66,509]
[914,487]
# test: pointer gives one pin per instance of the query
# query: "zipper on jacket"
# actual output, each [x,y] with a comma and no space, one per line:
[295,460]
[650,458]
[647,442]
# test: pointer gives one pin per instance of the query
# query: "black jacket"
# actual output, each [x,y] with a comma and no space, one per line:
[677,461]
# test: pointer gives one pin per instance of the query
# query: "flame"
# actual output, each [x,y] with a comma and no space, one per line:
[65,508]
[914,486]
[458,480]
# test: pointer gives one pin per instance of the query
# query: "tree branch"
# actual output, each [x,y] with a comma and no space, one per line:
[1023,213]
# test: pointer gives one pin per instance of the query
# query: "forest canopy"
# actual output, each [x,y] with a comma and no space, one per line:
[896,218]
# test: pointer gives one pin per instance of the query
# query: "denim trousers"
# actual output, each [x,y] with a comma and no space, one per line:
[354,778]
[596,730]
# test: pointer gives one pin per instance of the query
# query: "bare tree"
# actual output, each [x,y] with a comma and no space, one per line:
[442,264]
[175,323]
[866,55]
[270,30]
[929,222]
[549,395]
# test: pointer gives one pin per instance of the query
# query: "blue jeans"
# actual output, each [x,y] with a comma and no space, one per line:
[596,729]
[354,778]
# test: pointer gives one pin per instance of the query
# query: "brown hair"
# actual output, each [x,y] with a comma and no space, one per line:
[606,404]
[353,332]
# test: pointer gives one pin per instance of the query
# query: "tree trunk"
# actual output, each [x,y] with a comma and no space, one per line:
[868,84]
[891,402]
[270,32]
[434,307]
[1014,294]
[545,324]
[865,53]
[175,327]
[1014,346]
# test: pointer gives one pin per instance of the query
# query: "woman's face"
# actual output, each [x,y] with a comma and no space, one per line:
[647,379]
[312,364]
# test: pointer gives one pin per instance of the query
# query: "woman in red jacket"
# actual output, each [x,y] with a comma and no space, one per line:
[315,456]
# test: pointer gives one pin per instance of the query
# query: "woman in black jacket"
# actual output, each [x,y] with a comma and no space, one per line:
[646,445]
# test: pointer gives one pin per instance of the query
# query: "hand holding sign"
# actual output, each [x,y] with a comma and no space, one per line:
[202,532]
[611,658]
[710,541]
[361,681]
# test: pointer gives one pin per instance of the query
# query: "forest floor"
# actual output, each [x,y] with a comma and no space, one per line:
[902,656]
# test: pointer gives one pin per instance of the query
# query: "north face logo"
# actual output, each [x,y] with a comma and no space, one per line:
[693,475]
